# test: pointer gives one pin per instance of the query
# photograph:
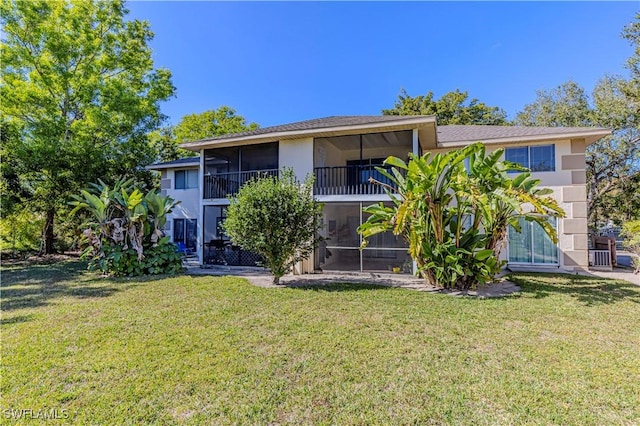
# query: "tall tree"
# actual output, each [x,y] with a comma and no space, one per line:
[79,87]
[452,108]
[632,33]
[612,162]
[207,124]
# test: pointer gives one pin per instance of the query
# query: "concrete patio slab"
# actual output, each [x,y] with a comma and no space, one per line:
[261,278]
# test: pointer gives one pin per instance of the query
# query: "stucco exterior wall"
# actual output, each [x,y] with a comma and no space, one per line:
[297,154]
[189,208]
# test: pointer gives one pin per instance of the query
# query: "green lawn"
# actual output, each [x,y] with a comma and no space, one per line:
[189,350]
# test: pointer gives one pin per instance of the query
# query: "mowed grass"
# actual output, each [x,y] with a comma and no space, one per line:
[206,350]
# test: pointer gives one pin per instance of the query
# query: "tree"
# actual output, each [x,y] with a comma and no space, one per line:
[632,33]
[208,124]
[277,218]
[452,108]
[215,122]
[566,105]
[613,162]
[455,219]
[80,91]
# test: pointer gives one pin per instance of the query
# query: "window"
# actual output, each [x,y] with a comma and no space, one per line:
[539,158]
[532,245]
[185,231]
[186,179]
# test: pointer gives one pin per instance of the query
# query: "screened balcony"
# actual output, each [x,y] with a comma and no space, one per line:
[227,169]
[344,165]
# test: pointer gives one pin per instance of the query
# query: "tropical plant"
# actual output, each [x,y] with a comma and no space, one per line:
[124,229]
[455,218]
[277,218]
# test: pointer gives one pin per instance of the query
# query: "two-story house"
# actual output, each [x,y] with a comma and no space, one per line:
[342,153]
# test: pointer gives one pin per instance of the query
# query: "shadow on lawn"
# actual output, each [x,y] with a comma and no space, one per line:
[589,290]
[30,286]
[334,286]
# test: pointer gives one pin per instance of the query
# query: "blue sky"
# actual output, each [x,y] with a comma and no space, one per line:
[282,62]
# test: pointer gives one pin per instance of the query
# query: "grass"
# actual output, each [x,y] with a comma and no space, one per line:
[206,350]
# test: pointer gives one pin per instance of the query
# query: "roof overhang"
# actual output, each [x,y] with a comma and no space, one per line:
[589,135]
[426,124]
[173,166]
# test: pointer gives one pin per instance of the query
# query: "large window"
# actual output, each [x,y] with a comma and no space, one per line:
[186,179]
[185,231]
[539,158]
[532,245]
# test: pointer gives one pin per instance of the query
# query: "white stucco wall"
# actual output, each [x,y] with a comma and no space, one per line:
[297,154]
[189,208]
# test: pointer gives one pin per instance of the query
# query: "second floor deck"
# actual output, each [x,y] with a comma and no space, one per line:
[333,180]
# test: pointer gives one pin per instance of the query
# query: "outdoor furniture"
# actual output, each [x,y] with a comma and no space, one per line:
[216,251]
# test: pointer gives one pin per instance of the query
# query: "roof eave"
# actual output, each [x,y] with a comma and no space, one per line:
[173,166]
[590,137]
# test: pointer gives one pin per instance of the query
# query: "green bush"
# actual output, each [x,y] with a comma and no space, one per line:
[164,258]
[276,217]
[631,232]
[20,231]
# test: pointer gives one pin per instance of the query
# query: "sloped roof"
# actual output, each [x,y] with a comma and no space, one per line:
[447,136]
[319,124]
[453,135]
[184,162]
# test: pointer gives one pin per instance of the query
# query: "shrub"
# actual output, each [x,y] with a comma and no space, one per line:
[631,232]
[163,258]
[276,217]
[20,231]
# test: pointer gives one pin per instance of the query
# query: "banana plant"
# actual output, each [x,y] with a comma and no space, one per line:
[455,217]
[158,208]
[135,213]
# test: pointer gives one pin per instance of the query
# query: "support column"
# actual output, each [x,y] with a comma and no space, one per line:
[200,223]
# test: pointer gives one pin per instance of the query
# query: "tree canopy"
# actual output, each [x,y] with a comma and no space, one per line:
[612,163]
[79,96]
[207,124]
[632,33]
[452,108]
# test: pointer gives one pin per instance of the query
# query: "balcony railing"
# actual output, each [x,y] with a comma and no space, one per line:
[348,180]
[222,184]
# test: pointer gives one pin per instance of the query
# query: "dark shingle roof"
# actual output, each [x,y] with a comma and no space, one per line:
[187,161]
[462,133]
[320,123]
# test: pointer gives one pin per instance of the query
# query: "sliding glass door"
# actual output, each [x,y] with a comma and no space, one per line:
[532,245]
[340,250]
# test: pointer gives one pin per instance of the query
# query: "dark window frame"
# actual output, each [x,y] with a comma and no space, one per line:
[185,179]
[551,160]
